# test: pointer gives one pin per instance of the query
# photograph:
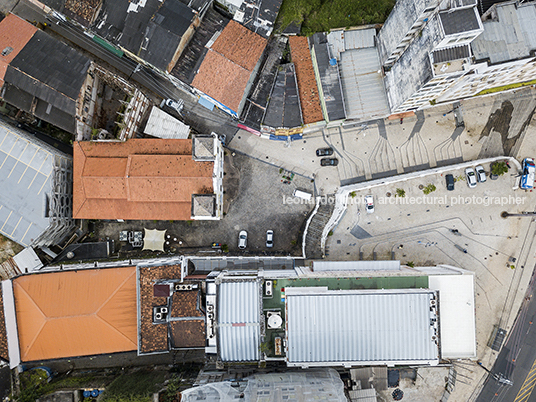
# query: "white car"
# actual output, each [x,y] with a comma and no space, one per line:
[173,104]
[471,177]
[269,238]
[242,239]
[369,203]
[480,174]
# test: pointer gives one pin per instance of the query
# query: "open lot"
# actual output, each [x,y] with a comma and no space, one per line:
[255,200]
[493,126]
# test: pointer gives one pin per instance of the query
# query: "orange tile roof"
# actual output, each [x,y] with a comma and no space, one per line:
[227,67]
[240,45]
[141,179]
[231,82]
[76,313]
[14,33]
[305,75]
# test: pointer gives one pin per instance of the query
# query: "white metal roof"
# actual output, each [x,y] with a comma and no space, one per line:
[362,83]
[163,125]
[457,314]
[323,265]
[27,260]
[360,327]
[359,38]
[238,313]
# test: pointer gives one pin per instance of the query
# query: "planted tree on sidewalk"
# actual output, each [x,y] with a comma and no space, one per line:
[499,168]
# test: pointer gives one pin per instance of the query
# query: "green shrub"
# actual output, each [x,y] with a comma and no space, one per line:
[429,189]
[400,192]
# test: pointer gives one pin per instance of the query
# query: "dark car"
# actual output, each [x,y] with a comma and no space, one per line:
[324,152]
[329,162]
[450,182]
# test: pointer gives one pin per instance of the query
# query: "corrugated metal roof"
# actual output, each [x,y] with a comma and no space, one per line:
[359,38]
[362,84]
[163,125]
[322,265]
[238,313]
[359,327]
[509,36]
[26,168]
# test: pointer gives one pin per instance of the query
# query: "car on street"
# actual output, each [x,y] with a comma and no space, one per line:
[450,182]
[470,175]
[480,174]
[369,203]
[173,104]
[329,162]
[324,152]
[269,238]
[527,178]
[242,239]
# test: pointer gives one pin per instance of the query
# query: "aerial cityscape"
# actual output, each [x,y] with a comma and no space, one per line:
[267,200]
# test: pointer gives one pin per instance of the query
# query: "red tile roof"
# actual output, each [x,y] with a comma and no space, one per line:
[141,179]
[305,75]
[240,45]
[14,33]
[227,67]
[229,86]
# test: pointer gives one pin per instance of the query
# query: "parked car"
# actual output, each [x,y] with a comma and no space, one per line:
[173,104]
[324,152]
[269,238]
[450,182]
[329,162]
[480,174]
[369,203]
[527,178]
[242,239]
[470,175]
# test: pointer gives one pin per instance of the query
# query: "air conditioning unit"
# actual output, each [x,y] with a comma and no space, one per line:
[268,285]
[210,308]
[187,287]
[158,316]
[210,316]
[163,310]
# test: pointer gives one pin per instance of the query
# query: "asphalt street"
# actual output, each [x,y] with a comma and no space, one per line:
[517,359]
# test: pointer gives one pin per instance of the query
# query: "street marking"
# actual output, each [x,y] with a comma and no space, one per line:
[528,385]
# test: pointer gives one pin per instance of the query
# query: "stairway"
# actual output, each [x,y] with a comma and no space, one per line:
[315,229]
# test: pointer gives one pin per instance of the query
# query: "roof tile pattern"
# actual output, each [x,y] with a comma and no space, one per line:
[153,337]
[14,35]
[184,304]
[3,335]
[188,334]
[138,179]
[305,75]
[76,313]
[231,59]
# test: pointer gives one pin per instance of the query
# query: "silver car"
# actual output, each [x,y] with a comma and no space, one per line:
[480,174]
[269,238]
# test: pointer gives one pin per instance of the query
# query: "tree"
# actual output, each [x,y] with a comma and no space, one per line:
[499,168]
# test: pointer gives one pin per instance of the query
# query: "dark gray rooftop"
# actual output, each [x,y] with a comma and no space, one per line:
[459,20]
[121,26]
[451,53]
[164,33]
[197,5]
[329,78]
[284,107]
[55,80]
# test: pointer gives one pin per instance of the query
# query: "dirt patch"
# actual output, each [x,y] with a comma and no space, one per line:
[8,248]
